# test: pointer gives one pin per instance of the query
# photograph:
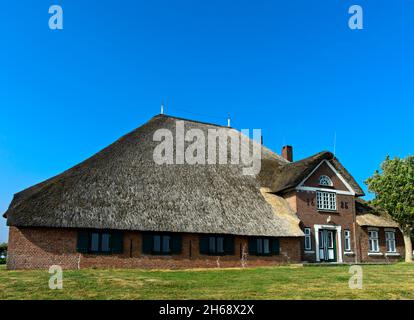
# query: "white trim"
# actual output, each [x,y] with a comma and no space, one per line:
[309,252]
[388,240]
[338,236]
[392,254]
[302,188]
[349,238]
[349,192]
[326,201]
[340,177]
[349,253]
[375,254]
[371,240]
[390,229]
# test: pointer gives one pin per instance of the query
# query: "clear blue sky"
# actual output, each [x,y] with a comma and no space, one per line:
[292,68]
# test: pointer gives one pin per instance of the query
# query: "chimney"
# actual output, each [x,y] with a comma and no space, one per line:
[287,153]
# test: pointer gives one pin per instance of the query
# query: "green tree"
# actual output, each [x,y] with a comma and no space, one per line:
[393,187]
[3,252]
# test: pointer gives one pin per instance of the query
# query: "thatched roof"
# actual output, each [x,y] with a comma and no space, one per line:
[370,216]
[290,175]
[121,187]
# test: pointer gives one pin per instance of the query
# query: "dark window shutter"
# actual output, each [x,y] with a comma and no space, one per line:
[176,243]
[83,241]
[229,245]
[146,243]
[252,246]
[203,243]
[275,246]
[117,242]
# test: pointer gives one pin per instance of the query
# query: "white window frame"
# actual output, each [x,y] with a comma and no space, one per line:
[325,181]
[347,238]
[326,200]
[390,240]
[308,237]
[373,240]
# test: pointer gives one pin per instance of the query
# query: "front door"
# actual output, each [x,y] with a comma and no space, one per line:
[327,245]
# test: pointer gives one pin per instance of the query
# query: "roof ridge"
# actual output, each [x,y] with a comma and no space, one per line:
[190,120]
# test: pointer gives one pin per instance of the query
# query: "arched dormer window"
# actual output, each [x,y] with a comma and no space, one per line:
[325,181]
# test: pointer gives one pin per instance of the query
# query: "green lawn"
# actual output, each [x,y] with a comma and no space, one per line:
[286,282]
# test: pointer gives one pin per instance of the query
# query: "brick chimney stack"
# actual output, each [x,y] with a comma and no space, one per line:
[287,153]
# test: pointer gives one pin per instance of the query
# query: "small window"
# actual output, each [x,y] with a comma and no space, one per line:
[390,240]
[216,245]
[373,240]
[347,236]
[263,246]
[99,242]
[325,181]
[95,242]
[326,200]
[161,244]
[106,242]
[266,246]
[308,241]
[330,240]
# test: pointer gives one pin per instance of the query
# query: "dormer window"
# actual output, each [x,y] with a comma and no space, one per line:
[325,181]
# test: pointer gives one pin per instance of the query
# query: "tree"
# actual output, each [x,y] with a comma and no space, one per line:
[3,250]
[394,192]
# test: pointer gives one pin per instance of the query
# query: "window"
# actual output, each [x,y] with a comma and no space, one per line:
[373,240]
[216,244]
[326,200]
[390,240]
[330,240]
[100,242]
[325,181]
[94,242]
[105,242]
[263,246]
[161,243]
[347,236]
[308,241]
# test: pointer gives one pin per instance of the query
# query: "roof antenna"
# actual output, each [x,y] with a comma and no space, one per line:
[334,144]
[228,120]
[162,107]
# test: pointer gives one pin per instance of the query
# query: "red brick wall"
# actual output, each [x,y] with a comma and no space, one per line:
[305,203]
[364,246]
[39,248]
[309,215]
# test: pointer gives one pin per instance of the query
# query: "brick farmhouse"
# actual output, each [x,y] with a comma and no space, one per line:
[121,209]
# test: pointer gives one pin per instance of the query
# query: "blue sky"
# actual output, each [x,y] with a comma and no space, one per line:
[293,69]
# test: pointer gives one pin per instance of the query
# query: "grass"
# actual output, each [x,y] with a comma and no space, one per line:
[285,282]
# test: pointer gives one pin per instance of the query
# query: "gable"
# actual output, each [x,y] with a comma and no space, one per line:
[324,168]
